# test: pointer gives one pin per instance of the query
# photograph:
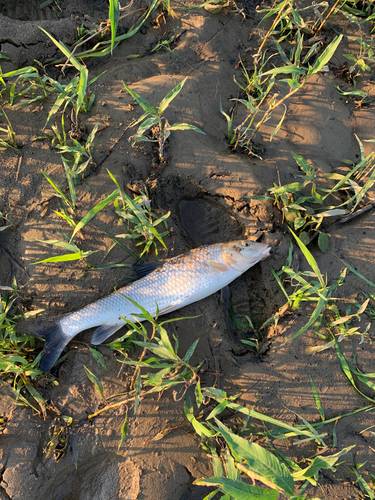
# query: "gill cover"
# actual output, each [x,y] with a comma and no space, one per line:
[240,255]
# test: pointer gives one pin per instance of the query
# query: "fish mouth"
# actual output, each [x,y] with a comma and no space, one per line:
[266,252]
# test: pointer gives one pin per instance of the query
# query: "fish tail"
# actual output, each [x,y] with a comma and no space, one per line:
[56,340]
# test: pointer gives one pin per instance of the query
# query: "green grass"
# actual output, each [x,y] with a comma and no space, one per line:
[159,367]
[306,205]
[18,362]
[261,107]
[106,47]
[9,141]
[136,216]
[154,121]
[290,31]
[310,288]
[240,455]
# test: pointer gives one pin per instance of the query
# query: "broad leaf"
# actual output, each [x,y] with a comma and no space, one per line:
[170,96]
[238,490]
[323,242]
[326,56]
[184,126]
[260,460]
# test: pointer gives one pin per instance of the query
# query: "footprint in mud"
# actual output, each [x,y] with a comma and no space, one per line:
[204,221]
[200,217]
[101,477]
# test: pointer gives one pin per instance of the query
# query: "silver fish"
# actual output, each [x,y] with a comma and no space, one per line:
[176,283]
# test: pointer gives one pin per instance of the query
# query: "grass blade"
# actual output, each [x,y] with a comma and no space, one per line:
[62,195]
[92,213]
[66,257]
[184,126]
[119,243]
[70,182]
[145,105]
[213,393]
[277,128]
[354,271]
[170,96]
[65,51]
[317,399]
[63,244]
[94,379]
[113,17]
[82,86]
[199,428]
[124,430]
[346,369]
[310,259]
[285,70]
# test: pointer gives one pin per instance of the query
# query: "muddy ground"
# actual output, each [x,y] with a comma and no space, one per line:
[204,185]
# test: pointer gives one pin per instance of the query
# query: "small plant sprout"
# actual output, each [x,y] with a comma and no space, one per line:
[367,487]
[159,367]
[155,123]
[10,140]
[357,11]
[105,46]
[137,218]
[289,21]
[67,212]
[18,364]
[360,97]
[311,288]
[297,75]
[140,221]
[76,92]
[360,62]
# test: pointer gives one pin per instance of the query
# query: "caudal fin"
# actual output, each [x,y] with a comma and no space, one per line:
[56,340]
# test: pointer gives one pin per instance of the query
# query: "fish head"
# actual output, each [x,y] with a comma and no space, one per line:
[241,255]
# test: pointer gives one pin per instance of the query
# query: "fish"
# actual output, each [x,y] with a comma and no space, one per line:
[165,287]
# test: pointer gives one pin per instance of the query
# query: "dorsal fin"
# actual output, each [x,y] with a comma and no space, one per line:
[143,270]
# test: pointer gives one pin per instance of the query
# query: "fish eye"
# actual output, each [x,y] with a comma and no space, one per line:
[246,244]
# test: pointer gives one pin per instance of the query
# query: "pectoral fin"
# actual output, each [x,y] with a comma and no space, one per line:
[218,267]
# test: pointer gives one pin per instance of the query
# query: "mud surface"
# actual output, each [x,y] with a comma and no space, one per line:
[204,185]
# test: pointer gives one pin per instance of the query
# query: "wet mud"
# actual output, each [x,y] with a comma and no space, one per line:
[205,187]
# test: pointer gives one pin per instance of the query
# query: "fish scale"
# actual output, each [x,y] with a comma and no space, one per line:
[178,282]
[167,286]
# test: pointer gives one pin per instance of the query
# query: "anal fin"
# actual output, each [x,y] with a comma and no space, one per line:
[103,332]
